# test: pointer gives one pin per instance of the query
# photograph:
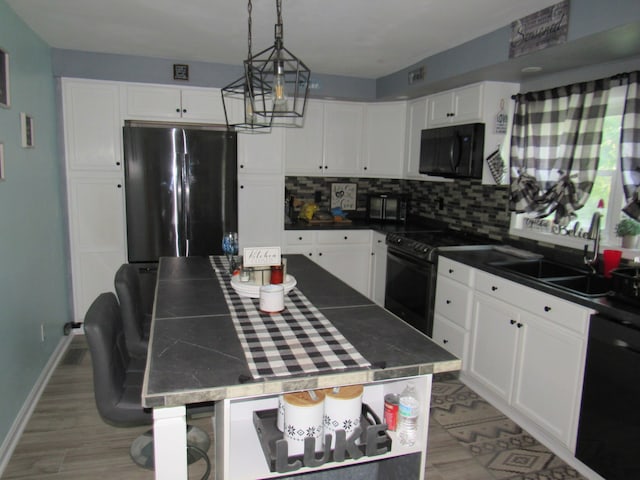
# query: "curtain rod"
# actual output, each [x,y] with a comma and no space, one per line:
[617,76]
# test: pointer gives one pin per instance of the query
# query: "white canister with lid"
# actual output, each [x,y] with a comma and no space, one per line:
[272,298]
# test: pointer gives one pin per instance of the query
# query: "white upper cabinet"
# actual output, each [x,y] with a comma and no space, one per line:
[342,146]
[384,139]
[261,152]
[462,105]
[416,122]
[161,102]
[330,141]
[93,137]
[303,145]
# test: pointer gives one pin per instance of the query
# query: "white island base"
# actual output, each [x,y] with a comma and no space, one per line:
[239,453]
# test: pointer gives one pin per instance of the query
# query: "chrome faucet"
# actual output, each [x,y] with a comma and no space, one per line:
[593,234]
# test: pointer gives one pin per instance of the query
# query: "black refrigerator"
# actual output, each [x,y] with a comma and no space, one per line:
[180,190]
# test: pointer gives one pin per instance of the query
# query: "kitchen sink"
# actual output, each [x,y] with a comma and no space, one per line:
[566,277]
[588,285]
[540,268]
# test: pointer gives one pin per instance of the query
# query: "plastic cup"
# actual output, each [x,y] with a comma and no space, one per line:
[611,261]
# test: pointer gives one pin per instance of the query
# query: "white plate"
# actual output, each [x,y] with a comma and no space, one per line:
[252,290]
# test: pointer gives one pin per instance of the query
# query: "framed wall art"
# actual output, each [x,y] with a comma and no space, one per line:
[1,161]
[26,126]
[343,195]
[5,99]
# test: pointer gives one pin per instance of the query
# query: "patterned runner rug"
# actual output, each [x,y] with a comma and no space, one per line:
[298,340]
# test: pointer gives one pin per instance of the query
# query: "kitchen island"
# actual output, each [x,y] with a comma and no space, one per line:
[195,355]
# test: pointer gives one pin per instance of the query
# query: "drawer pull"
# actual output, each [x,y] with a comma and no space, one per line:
[451,270]
[519,325]
[512,322]
[299,238]
[547,308]
[346,238]
[448,302]
[444,340]
[494,288]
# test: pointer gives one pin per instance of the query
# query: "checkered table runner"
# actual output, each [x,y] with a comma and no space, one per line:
[298,340]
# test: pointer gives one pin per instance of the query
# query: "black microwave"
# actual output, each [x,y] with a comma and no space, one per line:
[455,151]
[387,207]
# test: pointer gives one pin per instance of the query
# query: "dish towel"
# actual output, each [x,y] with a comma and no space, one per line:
[296,341]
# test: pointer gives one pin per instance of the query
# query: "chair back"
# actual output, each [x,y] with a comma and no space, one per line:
[117,393]
[127,284]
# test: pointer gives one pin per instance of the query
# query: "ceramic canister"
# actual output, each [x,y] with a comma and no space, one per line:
[342,410]
[272,298]
[302,419]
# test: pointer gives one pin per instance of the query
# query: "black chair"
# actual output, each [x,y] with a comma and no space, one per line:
[118,386]
[136,315]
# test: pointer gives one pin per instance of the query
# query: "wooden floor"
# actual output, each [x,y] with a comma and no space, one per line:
[66,439]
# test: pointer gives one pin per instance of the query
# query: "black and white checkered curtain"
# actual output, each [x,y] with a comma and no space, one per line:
[555,146]
[630,147]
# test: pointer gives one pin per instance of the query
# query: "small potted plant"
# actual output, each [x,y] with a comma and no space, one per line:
[628,230]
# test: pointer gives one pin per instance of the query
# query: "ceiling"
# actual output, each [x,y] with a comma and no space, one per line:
[359,38]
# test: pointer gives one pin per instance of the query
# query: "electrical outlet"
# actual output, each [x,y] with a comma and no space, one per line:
[42,337]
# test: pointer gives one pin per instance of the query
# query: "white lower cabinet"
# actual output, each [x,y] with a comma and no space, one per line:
[239,454]
[528,350]
[347,255]
[453,303]
[378,267]
[97,236]
[343,253]
[260,210]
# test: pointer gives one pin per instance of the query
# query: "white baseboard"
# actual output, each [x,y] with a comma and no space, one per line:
[13,437]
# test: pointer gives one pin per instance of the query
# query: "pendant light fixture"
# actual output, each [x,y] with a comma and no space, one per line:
[287,76]
[241,94]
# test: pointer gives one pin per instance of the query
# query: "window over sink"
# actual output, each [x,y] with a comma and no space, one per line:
[607,195]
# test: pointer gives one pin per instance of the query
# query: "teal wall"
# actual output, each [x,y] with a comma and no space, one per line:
[34,286]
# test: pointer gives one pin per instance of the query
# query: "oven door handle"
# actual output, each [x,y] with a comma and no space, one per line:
[406,259]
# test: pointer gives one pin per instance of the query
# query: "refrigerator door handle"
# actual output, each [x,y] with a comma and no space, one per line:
[186,184]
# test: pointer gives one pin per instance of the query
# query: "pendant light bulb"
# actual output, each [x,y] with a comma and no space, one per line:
[279,96]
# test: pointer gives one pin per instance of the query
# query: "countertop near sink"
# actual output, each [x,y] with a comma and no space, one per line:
[482,259]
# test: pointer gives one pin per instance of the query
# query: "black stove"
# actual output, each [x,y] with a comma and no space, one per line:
[425,244]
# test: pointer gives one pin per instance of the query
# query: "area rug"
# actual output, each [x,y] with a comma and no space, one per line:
[500,445]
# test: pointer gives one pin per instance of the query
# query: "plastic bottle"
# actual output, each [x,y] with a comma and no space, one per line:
[408,412]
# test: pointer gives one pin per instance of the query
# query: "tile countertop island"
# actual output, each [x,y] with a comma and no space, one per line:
[195,356]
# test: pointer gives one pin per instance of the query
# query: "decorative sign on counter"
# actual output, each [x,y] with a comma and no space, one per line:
[540,30]
[261,256]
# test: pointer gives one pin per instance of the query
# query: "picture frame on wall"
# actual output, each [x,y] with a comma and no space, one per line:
[5,97]
[27,129]
[1,161]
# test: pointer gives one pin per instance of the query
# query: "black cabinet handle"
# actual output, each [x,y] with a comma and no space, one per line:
[448,302]
[444,340]
[320,167]
[320,254]
[118,164]
[451,270]
[346,238]
[119,185]
[365,168]
[326,166]
[184,110]
[519,325]
[547,308]
[177,110]
[241,166]
[241,186]
[494,288]
[299,238]
[512,322]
